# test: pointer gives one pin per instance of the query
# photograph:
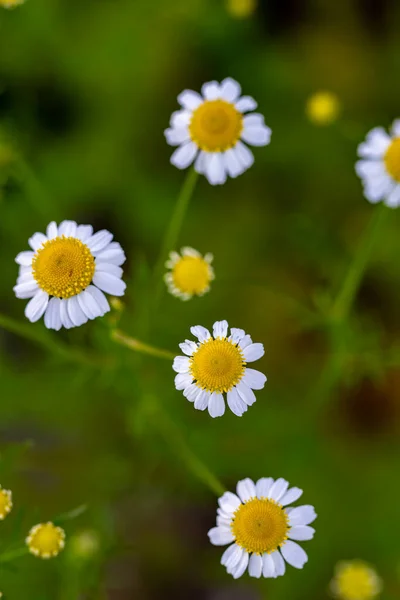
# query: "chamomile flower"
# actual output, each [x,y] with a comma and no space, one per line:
[209,130]
[5,502]
[260,527]
[379,168]
[190,273]
[66,273]
[216,365]
[355,580]
[323,108]
[45,540]
[11,3]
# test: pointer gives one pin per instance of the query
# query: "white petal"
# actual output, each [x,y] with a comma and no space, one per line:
[246,393]
[109,268]
[244,155]
[184,155]
[181,364]
[254,379]
[230,90]
[99,241]
[291,496]
[25,258]
[219,536]
[229,502]
[183,380]
[99,297]
[109,283]
[89,305]
[188,347]
[246,489]
[232,163]
[75,312]
[279,563]
[211,90]
[376,143]
[255,565]
[301,533]
[235,403]
[25,277]
[370,169]
[215,168]
[216,405]
[393,199]
[84,232]
[64,316]
[37,240]
[26,290]
[245,341]
[191,392]
[253,352]
[232,556]
[67,228]
[278,489]
[220,329]
[294,554]
[237,334]
[240,568]
[189,99]
[201,402]
[200,163]
[257,136]
[253,120]
[268,566]
[302,515]
[35,308]
[52,318]
[396,128]
[177,135]
[112,253]
[224,521]
[263,486]
[180,118]
[52,230]
[246,103]
[200,332]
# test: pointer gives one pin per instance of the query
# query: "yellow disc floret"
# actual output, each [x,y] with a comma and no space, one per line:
[45,540]
[216,126]
[356,580]
[218,365]
[5,502]
[392,159]
[260,525]
[192,275]
[63,267]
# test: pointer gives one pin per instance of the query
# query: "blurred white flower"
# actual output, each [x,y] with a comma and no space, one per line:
[11,3]
[190,273]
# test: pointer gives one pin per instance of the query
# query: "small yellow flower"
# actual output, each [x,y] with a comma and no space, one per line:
[355,580]
[11,3]
[190,274]
[46,540]
[85,544]
[5,503]
[241,9]
[323,108]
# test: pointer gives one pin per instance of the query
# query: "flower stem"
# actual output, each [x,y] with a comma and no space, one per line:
[10,555]
[172,233]
[35,192]
[138,346]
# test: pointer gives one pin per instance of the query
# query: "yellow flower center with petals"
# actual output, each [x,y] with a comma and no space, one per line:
[392,159]
[46,540]
[357,581]
[216,126]
[192,275]
[260,525]
[63,267]
[218,365]
[5,503]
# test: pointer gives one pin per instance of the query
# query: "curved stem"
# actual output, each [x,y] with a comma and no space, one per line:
[137,346]
[10,555]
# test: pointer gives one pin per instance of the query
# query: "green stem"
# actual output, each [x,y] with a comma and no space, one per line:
[35,192]
[172,234]
[12,554]
[138,346]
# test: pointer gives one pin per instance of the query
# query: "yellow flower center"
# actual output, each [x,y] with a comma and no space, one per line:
[5,503]
[216,126]
[260,525]
[357,581]
[46,540]
[218,365]
[392,159]
[192,275]
[323,108]
[63,267]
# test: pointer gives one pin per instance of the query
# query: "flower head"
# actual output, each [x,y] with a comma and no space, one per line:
[209,129]
[11,3]
[323,108]
[355,580]
[216,365]
[241,9]
[85,544]
[46,540]
[66,273]
[5,502]
[190,275]
[260,528]
[379,168]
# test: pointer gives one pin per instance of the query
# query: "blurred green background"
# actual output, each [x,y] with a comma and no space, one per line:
[86,90]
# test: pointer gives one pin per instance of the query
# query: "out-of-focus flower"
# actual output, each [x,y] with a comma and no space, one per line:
[11,3]
[355,580]
[5,502]
[379,168]
[216,365]
[209,129]
[261,528]
[323,108]
[84,544]
[241,9]
[46,540]
[190,275]
[67,272]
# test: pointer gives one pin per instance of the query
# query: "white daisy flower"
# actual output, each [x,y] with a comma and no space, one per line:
[261,528]
[190,274]
[66,273]
[216,365]
[380,167]
[209,129]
